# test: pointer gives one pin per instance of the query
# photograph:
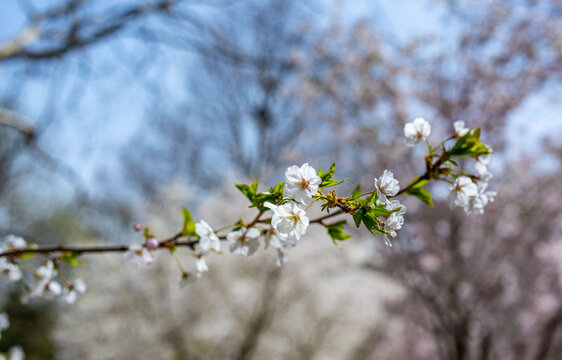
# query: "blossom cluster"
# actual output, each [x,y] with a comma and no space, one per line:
[470,193]
[466,191]
[41,281]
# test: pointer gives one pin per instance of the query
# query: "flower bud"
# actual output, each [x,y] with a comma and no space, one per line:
[152,244]
[137,227]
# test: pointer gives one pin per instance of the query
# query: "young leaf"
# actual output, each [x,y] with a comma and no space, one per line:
[381,211]
[469,145]
[188,224]
[274,195]
[249,190]
[372,223]
[373,198]
[421,193]
[330,183]
[328,177]
[355,194]
[336,232]
[358,216]
[277,189]
[71,258]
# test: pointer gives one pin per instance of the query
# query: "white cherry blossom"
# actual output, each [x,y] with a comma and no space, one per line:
[208,239]
[244,241]
[476,204]
[386,185]
[289,220]
[282,243]
[395,221]
[481,166]
[460,129]
[138,255]
[301,183]
[45,286]
[201,264]
[416,131]
[9,270]
[460,192]
[72,290]
[12,242]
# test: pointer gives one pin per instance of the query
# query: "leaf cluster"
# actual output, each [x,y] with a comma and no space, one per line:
[469,145]
[328,177]
[258,199]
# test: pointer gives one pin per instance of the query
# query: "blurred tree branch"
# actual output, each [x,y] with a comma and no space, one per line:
[15,121]
[77,31]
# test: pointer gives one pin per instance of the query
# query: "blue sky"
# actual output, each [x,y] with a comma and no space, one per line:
[88,144]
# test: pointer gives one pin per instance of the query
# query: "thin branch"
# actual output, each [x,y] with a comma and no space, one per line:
[72,38]
[548,334]
[18,122]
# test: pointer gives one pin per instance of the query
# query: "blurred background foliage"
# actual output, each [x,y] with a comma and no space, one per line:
[113,112]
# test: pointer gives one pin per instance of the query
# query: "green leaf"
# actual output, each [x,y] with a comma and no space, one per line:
[421,193]
[373,198]
[356,192]
[358,216]
[328,177]
[71,258]
[188,224]
[381,211]
[277,189]
[336,232]
[330,183]
[25,256]
[372,223]
[469,145]
[249,190]
[329,174]
[274,195]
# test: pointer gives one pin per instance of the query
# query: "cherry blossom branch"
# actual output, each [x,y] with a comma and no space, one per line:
[377,210]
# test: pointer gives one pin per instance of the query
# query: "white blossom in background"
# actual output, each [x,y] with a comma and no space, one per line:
[416,131]
[72,290]
[208,239]
[289,219]
[12,242]
[244,241]
[16,353]
[10,270]
[4,322]
[386,185]
[461,190]
[460,129]
[301,183]
[138,255]
[45,286]
[201,264]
